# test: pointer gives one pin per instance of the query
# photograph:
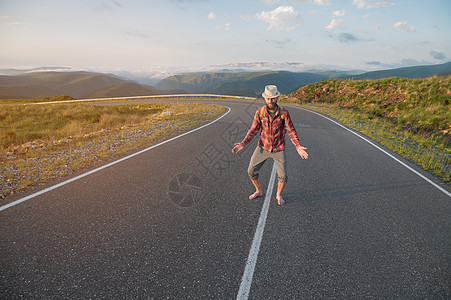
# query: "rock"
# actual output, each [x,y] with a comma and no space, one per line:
[167,113]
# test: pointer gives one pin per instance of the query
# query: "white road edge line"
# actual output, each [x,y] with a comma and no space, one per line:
[107,165]
[379,148]
[246,281]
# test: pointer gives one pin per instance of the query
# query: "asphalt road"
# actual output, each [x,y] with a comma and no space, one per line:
[175,222]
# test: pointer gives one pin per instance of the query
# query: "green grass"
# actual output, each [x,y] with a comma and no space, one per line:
[410,116]
[420,105]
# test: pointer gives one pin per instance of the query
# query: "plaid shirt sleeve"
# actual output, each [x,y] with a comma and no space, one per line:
[291,130]
[255,128]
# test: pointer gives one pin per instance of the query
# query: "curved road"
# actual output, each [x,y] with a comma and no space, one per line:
[174,222]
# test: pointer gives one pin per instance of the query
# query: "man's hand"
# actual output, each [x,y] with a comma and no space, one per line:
[302,153]
[238,147]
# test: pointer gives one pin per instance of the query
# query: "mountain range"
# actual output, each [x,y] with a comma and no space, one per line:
[242,83]
[74,84]
[43,83]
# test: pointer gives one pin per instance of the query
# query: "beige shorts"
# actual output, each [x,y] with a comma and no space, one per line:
[259,158]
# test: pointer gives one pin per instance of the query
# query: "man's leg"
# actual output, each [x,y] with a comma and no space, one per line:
[280,160]
[280,187]
[257,160]
[258,189]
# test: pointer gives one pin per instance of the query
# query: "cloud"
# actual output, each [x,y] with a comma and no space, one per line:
[334,24]
[372,3]
[10,23]
[279,44]
[134,32]
[212,16]
[270,2]
[108,5]
[374,63]
[405,62]
[117,3]
[313,12]
[339,13]
[375,28]
[347,38]
[438,55]
[13,23]
[181,4]
[402,26]
[317,2]
[226,27]
[281,18]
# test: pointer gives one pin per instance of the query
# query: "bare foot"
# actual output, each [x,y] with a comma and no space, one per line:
[255,195]
[280,200]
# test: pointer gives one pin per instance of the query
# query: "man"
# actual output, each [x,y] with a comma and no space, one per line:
[273,121]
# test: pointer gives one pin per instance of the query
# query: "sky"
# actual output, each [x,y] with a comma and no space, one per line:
[159,35]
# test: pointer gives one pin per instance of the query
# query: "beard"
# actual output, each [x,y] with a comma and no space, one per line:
[270,108]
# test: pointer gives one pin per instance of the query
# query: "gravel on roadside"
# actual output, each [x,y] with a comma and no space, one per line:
[68,156]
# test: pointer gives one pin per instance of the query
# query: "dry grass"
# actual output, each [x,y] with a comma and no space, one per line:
[20,124]
[83,136]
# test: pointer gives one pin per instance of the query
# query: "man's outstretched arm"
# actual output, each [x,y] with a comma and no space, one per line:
[291,130]
[255,128]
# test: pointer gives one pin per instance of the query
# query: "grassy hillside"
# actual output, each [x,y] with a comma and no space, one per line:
[416,104]
[124,89]
[231,83]
[81,86]
[410,116]
[25,91]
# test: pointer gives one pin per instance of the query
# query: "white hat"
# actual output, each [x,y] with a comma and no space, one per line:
[271,92]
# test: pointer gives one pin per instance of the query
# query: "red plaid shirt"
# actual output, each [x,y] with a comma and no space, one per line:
[272,136]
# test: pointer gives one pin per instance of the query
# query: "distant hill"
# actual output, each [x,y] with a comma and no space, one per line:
[74,84]
[125,89]
[407,72]
[243,92]
[25,91]
[238,83]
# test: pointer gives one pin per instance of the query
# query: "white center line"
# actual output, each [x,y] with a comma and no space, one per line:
[246,281]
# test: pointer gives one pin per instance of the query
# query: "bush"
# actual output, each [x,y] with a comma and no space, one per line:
[57,98]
